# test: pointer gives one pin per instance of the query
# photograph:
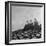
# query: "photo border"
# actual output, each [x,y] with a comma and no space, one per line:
[7,13]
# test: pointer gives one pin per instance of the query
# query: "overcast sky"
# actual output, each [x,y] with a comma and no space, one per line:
[20,14]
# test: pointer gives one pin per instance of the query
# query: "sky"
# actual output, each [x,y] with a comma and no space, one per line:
[20,14]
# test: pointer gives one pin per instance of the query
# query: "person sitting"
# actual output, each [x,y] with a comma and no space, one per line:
[29,26]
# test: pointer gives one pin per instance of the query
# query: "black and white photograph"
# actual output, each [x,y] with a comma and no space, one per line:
[24,22]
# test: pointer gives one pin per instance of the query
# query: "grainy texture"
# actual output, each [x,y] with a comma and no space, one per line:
[21,14]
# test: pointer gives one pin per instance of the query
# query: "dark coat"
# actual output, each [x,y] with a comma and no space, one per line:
[29,27]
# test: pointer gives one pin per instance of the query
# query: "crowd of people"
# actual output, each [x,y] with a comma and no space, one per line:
[30,30]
